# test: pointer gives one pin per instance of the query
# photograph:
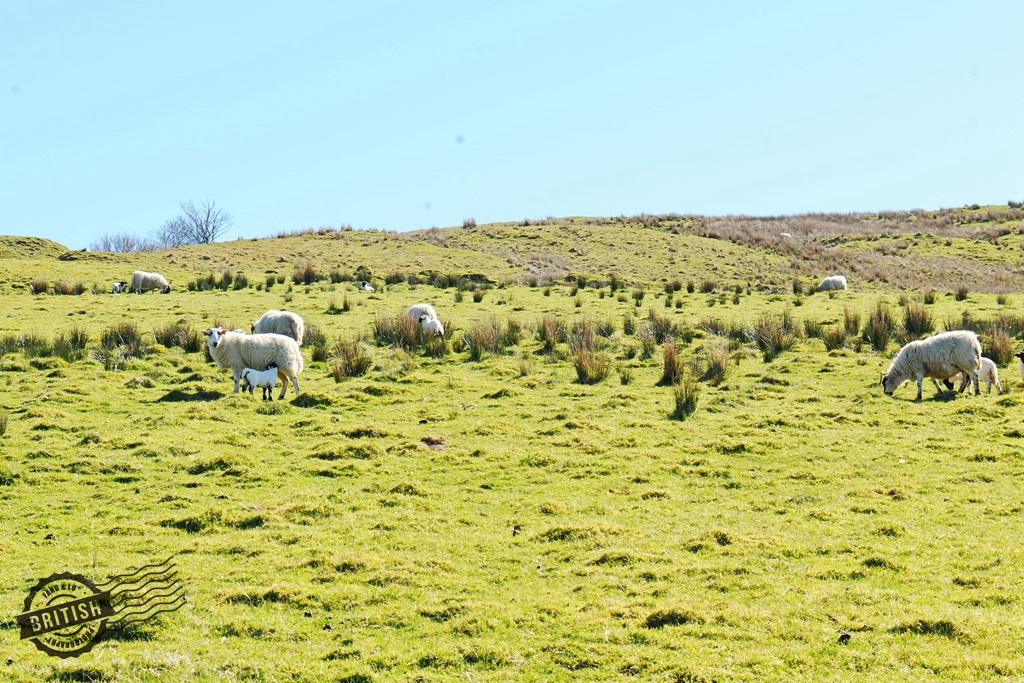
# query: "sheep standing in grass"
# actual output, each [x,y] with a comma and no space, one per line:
[241,351]
[118,287]
[832,283]
[432,326]
[280,322]
[939,357]
[426,316]
[143,282]
[266,380]
[988,372]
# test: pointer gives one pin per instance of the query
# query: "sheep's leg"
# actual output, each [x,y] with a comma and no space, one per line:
[235,377]
[284,388]
[977,384]
[920,384]
[999,388]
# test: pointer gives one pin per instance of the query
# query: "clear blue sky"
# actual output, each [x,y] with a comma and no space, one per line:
[407,115]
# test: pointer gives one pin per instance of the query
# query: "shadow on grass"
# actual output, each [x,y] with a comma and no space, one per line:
[178,396]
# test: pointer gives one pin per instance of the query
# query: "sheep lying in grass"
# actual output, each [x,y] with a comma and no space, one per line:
[143,282]
[831,283]
[939,357]
[280,322]
[241,351]
[988,372]
[266,380]
[118,287]
[366,287]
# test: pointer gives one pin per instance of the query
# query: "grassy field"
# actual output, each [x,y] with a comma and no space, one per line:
[445,518]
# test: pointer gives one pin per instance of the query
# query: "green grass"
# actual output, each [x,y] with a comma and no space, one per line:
[497,518]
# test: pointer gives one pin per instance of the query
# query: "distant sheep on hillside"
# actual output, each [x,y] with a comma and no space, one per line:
[831,283]
[280,322]
[939,357]
[144,282]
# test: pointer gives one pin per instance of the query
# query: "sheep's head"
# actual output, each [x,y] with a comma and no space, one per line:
[166,289]
[433,326]
[214,336]
[1020,356]
[890,384]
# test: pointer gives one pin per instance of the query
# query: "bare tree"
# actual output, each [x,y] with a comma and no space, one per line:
[204,224]
[174,233]
[123,242]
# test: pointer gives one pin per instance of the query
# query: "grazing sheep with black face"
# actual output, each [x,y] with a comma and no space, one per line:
[939,357]
[143,282]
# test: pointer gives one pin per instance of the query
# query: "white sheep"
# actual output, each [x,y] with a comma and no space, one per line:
[366,287]
[938,357]
[988,372]
[419,310]
[143,282]
[832,282]
[784,236]
[266,380]
[280,322]
[1020,365]
[241,351]
[118,287]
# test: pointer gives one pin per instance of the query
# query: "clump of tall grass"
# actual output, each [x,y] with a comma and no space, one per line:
[929,297]
[717,360]
[638,296]
[629,324]
[35,345]
[483,337]
[625,376]
[397,330]
[834,338]
[478,295]
[591,367]
[306,274]
[879,327]
[181,335]
[350,359]
[550,332]
[851,322]
[997,344]
[685,394]
[511,332]
[661,326]
[707,286]
[605,328]
[1001,299]
[63,287]
[582,336]
[71,345]
[813,329]
[961,293]
[773,335]
[125,336]
[917,321]
[315,339]
[38,285]
[113,359]
[672,366]
[9,343]
[270,280]
[5,419]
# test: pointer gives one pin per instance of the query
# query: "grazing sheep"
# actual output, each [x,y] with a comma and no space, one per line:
[280,322]
[241,351]
[939,357]
[832,282]
[366,287]
[784,236]
[266,380]
[118,287]
[988,372]
[432,326]
[143,282]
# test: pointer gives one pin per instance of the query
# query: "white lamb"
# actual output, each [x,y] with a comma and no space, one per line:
[118,287]
[143,282]
[988,372]
[366,287]
[241,351]
[432,326]
[266,380]
[832,282]
[280,322]
[939,357]
[784,236]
